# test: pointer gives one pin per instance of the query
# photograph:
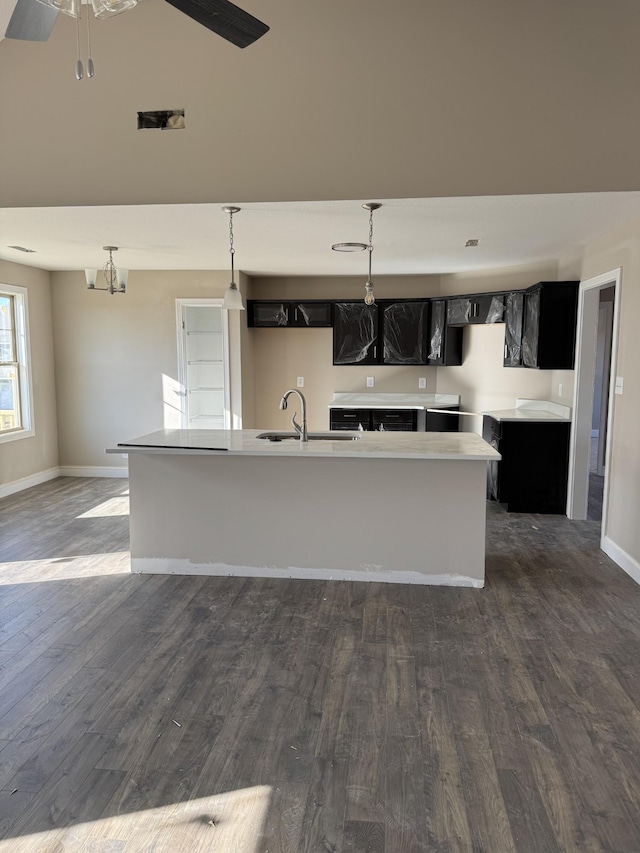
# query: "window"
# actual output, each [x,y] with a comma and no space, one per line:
[15,397]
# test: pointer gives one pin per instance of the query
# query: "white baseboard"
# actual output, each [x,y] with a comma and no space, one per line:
[7,489]
[174,566]
[619,556]
[93,471]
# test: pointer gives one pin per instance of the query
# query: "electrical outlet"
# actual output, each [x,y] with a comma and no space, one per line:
[619,384]
[370,382]
[422,382]
[300,381]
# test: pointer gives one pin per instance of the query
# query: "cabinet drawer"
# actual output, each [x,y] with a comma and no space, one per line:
[350,418]
[395,419]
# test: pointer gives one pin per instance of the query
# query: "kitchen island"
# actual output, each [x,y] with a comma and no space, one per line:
[390,507]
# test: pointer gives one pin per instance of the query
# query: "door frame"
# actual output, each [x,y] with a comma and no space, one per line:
[182,361]
[584,378]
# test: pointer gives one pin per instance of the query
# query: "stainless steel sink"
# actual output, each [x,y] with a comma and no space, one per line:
[313,436]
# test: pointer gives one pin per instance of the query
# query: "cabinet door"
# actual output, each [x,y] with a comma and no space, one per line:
[355,333]
[513,320]
[268,314]
[444,345]
[443,422]
[459,311]
[311,314]
[531,328]
[404,333]
[472,310]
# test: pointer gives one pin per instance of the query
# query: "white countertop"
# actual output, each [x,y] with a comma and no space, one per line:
[533,411]
[374,445]
[371,400]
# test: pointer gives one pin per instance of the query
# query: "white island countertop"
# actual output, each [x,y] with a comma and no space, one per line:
[392,400]
[374,445]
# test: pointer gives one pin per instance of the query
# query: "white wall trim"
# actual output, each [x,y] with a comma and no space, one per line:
[176,566]
[93,471]
[7,489]
[621,558]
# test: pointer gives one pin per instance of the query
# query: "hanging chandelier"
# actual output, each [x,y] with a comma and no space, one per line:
[115,279]
[232,296]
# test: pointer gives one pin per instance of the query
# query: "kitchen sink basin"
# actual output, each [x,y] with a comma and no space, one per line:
[313,436]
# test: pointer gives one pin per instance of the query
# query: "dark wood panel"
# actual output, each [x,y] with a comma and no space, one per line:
[183,713]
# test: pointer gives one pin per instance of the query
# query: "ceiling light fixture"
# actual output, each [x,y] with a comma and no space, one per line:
[116,279]
[349,247]
[232,296]
[370,206]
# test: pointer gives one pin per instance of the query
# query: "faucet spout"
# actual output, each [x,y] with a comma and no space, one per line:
[301,429]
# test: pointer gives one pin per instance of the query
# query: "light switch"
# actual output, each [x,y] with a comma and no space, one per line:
[300,381]
[370,381]
[619,384]
[422,382]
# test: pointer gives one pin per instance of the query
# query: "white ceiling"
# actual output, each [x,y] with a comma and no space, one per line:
[411,236]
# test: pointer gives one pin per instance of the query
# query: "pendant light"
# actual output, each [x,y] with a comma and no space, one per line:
[116,279]
[232,296]
[369,297]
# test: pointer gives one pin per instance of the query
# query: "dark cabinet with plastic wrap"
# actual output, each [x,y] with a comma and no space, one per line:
[533,472]
[444,342]
[404,332]
[276,313]
[355,333]
[477,309]
[549,329]
[513,322]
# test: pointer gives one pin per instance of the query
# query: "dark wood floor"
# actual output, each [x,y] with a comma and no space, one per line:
[186,714]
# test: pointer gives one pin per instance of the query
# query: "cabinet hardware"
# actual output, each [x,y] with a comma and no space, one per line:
[296,314]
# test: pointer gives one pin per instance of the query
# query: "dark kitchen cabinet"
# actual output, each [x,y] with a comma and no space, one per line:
[282,314]
[404,332]
[355,333]
[513,323]
[549,328]
[444,345]
[395,420]
[533,472]
[442,422]
[478,309]
[350,419]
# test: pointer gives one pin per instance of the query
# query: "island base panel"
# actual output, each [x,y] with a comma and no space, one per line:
[389,520]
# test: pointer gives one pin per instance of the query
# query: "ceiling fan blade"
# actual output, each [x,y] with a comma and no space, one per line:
[225,19]
[31,21]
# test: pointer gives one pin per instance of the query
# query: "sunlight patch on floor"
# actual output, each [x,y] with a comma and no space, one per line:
[231,822]
[112,506]
[65,568]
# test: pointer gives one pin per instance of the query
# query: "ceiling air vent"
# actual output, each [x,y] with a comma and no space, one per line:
[22,249]
[161,120]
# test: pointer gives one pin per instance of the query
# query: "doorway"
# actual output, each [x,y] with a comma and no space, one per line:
[593,398]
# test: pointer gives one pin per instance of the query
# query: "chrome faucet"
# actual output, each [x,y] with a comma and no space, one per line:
[301,430]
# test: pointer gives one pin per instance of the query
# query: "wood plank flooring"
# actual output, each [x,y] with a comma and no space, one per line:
[161,714]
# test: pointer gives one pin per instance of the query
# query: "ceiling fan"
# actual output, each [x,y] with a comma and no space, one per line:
[33,20]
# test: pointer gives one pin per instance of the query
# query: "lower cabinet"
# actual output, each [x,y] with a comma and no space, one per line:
[533,472]
[394,420]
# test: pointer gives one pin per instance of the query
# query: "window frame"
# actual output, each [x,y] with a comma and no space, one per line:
[20,300]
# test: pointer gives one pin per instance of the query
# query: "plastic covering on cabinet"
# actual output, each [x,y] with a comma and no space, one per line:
[458,311]
[357,324]
[437,332]
[272,315]
[496,310]
[404,339]
[513,329]
[531,330]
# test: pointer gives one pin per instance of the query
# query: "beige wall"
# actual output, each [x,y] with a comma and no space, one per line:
[621,249]
[27,456]
[116,358]
[341,99]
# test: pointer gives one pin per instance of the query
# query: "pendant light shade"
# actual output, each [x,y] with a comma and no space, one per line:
[232,296]
[69,7]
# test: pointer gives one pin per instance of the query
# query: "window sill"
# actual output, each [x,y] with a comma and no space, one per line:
[16,434]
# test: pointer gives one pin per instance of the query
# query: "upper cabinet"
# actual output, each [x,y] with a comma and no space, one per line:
[277,313]
[480,308]
[355,333]
[513,322]
[549,327]
[404,332]
[444,344]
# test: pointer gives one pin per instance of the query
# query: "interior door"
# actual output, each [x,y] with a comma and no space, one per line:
[203,350]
